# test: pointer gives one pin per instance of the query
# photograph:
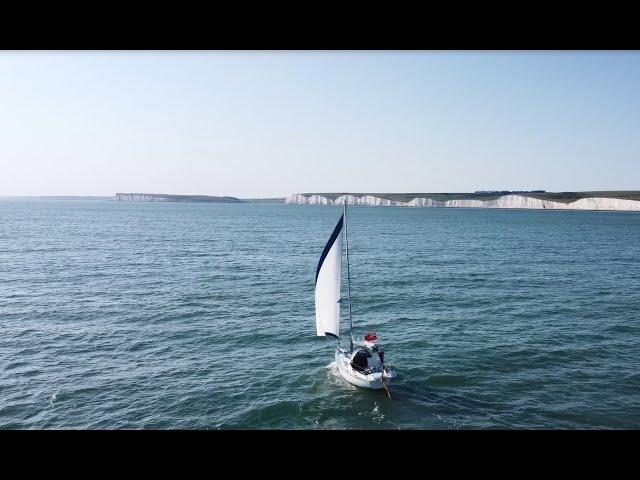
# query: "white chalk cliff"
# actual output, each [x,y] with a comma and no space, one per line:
[506,201]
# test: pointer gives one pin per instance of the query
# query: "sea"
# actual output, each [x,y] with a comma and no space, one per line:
[125,315]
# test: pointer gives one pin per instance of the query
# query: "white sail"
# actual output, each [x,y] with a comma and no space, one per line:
[328,285]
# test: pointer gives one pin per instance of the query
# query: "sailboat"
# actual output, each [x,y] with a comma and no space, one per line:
[362,364]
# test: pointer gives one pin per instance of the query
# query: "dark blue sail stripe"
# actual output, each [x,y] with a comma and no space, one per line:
[332,240]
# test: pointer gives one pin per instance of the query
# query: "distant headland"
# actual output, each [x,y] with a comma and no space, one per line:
[535,199]
[163,197]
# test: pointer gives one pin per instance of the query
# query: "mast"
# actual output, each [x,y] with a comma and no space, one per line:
[346,241]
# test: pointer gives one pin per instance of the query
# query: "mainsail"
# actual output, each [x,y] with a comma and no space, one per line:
[328,285]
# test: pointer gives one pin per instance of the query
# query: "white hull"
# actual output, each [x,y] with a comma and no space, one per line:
[372,380]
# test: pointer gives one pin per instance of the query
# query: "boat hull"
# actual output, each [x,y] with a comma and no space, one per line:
[372,380]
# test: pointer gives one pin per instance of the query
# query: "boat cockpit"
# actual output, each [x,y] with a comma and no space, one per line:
[363,361]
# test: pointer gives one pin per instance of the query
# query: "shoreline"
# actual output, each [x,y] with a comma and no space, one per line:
[501,202]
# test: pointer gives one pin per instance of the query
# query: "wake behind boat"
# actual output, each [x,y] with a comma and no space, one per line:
[362,364]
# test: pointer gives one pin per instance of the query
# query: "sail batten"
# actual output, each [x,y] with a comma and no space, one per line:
[327,291]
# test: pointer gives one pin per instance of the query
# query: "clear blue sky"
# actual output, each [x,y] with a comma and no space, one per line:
[254,124]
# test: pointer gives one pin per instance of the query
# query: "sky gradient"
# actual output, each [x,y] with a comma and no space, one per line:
[264,124]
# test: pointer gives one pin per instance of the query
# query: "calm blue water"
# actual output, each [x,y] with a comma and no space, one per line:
[142,315]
